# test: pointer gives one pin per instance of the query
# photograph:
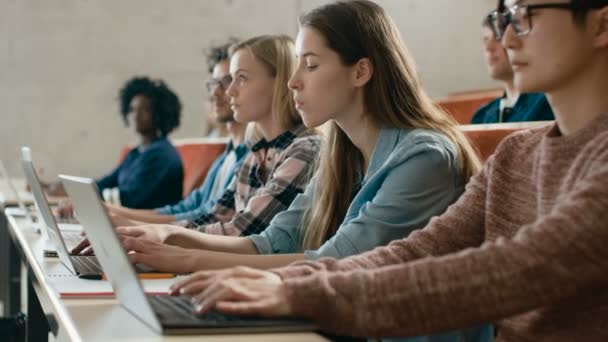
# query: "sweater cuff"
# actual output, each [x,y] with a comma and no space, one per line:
[304,298]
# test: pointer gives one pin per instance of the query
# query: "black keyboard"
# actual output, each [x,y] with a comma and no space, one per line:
[179,311]
[86,264]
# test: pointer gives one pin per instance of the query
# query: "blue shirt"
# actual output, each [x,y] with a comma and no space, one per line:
[147,179]
[413,175]
[201,201]
[529,107]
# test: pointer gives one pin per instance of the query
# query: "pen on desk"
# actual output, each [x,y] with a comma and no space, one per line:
[148,276]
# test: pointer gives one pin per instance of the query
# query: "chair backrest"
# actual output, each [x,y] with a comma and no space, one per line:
[197,156]
[462,105]
[485,138]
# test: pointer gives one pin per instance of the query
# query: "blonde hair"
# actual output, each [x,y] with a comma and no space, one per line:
[277,54]
[394,96]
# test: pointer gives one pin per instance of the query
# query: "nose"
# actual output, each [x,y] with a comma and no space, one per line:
[510,39]
[294,82]
[217,91]
[231,90]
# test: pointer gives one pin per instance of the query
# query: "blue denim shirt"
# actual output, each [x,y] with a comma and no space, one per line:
[200,201]
[413,175]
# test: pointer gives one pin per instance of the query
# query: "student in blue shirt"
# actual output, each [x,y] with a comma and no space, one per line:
[151,174]
[513,106]
[222,171]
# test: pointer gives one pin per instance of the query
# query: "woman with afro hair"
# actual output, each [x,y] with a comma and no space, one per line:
[151,174]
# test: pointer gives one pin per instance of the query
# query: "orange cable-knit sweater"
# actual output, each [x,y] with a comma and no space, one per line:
[525,247]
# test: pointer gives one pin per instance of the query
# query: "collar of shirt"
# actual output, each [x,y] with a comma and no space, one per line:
[239,150]
[281,142]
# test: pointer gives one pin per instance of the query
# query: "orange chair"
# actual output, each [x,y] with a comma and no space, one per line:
[197,156]
[462,105]
[485,138]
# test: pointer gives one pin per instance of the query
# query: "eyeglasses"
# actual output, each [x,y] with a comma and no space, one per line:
[519,17]
[223,82]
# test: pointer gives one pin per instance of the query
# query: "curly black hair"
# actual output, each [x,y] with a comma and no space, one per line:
[166,107]
[219,53]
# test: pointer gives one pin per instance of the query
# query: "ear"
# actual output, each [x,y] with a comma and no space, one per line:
[363,72]
[601,27]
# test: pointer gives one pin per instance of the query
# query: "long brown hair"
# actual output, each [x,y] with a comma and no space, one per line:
[394,96]
[277,54]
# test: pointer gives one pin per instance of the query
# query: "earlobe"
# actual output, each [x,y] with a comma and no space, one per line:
[364,72]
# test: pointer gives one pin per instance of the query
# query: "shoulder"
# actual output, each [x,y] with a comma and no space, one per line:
[481,112]
[162,149]
[521,144]
[308,142]
[416,141]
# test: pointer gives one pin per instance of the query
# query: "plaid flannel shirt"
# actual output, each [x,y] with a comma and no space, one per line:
[271,176]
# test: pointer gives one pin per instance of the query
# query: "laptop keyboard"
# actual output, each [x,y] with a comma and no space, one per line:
[179,310]
[86,264]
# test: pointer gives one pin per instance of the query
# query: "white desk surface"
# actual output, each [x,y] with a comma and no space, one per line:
[103,319]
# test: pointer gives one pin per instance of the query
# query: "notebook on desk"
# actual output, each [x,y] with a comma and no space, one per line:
[164,314]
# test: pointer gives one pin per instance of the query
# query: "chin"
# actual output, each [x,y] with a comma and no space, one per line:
[527,84]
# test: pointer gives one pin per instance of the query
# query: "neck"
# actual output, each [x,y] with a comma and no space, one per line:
[236,131]
[581,100]
[362,132]
[510,90]
[146,139]
[270,127]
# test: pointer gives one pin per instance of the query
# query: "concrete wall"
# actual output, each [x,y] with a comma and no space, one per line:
[63,61]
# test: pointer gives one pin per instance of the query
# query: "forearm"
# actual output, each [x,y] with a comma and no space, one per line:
[207,260]
[192,239]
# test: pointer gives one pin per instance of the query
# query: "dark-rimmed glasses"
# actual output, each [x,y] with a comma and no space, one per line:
[519,17]
[223,82]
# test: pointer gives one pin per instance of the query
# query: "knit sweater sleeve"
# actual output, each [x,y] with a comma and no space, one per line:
[461,226]
[552,259]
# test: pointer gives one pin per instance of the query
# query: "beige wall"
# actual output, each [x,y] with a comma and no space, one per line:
[62,62]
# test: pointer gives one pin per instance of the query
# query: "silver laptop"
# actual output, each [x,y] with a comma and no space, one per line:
[11,186]
[164,314]
[64,241]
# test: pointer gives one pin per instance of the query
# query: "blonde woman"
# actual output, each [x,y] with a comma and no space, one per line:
[283,150]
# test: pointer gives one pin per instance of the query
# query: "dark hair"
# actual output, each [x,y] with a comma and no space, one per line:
[487,20]
[165,105]
[219,53]
[579,12]
[582,7]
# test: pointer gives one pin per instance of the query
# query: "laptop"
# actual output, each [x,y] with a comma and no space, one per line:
[165,314]
[64,240]
[7,179]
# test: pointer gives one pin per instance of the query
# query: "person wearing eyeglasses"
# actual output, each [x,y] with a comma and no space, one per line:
[224,168]
[513,106]
[525,245]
